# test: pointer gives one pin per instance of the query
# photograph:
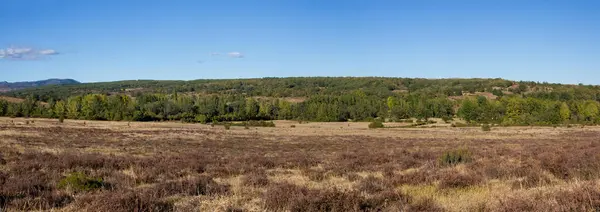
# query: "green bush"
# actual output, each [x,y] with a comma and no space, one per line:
[446,119]
[486,127]
[78,181]
[248,123]
[227,126]
[455,157]
[201,118]
[376,124]
[261,123]
[458,124]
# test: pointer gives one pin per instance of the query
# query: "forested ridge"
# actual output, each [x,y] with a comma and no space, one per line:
[313,99]
[8,86]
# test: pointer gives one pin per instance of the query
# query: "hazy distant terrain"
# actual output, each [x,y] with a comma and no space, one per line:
[9,86]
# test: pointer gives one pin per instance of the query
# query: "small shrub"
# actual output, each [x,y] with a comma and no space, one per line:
[530,177]
[3,177]
[372,185]
[426,204]
[259,179]
[458,124]
[246,127]
[2,162]
[446,119]
[455,157]
[234,209]
[413,178]
[61,119]
[292,126]
[315,175]
[353,177]
[376,124]
[454,179]
[122,201]
[227,126]
[253,123]
[203,185]
[27,122]
[78,181]
[288,197]
[585,197]
[486,127]
[269,124]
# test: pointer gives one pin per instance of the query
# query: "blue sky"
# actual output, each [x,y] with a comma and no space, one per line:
[91,41]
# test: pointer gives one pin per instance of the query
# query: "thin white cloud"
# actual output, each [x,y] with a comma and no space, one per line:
[215,55]
[235,55]
[25,53]
[48,52]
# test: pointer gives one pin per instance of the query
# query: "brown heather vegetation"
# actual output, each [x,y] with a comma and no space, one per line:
[120,166]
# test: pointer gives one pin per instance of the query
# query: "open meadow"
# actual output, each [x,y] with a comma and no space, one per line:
[158,166]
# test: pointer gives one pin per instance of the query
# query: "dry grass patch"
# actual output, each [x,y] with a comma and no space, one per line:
[315,166]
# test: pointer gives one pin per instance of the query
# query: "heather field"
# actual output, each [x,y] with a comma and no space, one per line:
[158,166]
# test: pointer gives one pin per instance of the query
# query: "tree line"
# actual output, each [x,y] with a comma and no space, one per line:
[323,86]
[355,106]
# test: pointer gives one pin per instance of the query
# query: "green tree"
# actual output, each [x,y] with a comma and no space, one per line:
[285,110]
[590,112]
[29,106]
[14,110]
[565,112]
[515,111]
[93,107]
[252,108]
[3,107]
[390,104]
[401,109]
[73,107]
[469,110]
[60,109]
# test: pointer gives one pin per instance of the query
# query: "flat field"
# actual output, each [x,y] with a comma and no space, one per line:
[121,166]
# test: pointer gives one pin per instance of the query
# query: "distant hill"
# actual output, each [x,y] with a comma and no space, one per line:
[10,86]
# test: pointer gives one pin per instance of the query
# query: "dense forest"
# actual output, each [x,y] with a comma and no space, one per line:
[313,99]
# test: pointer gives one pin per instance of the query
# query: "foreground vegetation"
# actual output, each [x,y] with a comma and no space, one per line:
[493,101]
[116,166]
